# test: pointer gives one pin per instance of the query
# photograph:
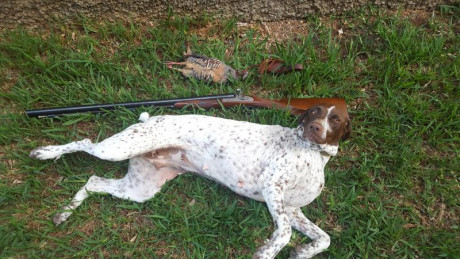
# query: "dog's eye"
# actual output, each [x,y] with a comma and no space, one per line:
[335,119]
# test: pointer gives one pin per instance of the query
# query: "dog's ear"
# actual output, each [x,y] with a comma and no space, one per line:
[302,117]
[347,130]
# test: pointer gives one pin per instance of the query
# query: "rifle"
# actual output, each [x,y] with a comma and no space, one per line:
[295,106]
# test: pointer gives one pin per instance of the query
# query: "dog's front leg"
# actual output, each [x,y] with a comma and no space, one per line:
[273,193]
[321,239]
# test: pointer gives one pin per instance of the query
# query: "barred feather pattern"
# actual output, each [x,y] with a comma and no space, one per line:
[203,75]
[208,63]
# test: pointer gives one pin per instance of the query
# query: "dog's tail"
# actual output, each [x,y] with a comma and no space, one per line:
[144,116]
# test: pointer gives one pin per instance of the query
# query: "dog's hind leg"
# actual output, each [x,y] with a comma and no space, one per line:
[133,141]
[111,149]
[141,183]
[56,151]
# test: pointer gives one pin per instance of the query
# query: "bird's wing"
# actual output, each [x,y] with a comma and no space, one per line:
[205,62]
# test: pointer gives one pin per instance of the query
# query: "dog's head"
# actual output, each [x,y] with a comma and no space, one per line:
[326,124]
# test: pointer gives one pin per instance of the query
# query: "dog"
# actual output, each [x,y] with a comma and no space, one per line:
[283,167]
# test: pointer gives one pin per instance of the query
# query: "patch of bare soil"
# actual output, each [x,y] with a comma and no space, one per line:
[436,215]
[11,177]
[276,31]
[11,76]
[8,78]
[417,17]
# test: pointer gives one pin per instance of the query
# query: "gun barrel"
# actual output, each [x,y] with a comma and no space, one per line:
[97,108]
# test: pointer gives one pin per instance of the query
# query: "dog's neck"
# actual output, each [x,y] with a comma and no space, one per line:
[330,150]
[325,149]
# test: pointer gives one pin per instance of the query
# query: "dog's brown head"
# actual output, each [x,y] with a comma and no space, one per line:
[326,124]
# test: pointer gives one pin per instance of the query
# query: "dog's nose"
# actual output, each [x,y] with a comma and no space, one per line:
[316,127]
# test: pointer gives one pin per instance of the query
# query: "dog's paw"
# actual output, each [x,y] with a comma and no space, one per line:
[144,117]
[260,254]
[44,153]
[60,217]
[305,251]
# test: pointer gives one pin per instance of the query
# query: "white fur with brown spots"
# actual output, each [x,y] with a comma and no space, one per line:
[283,167]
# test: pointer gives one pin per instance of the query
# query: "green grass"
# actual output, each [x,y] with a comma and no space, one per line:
[392,192]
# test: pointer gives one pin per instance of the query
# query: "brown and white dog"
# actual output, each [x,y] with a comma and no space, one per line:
[283,167]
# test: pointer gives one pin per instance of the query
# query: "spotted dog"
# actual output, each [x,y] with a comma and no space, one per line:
[284,167]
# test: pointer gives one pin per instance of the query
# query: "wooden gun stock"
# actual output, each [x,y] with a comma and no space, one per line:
[296,106]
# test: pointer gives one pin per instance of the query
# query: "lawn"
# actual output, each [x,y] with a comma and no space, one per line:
[392,192]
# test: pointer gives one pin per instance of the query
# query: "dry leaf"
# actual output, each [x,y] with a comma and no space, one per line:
[409,225]
[133,239]
[277,66]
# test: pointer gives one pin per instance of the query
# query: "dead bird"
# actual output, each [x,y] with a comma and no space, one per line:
[205,68]
[277,66]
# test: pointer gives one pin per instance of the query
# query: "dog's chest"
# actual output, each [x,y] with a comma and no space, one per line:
[307,179]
